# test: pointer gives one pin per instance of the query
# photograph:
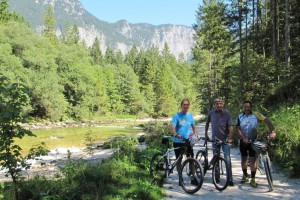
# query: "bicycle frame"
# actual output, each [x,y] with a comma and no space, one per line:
[171,165]
[216,155]
[216,164]
[265,162]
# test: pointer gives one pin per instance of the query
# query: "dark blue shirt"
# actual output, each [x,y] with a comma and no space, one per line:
[220,123]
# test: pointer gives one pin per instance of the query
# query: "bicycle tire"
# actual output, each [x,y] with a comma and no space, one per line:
[158,166]
[268,173]
[200,156]
[190,181]
[220,174]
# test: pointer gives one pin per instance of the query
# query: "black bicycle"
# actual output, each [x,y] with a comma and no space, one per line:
[218,164]
[261,148]
[190,174]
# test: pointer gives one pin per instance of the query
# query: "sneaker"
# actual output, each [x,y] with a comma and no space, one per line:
[231,183]
[253,183]
[245,179]
[194,182]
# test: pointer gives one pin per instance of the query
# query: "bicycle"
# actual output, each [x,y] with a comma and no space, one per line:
[190,174]
[262,149]
[218,164]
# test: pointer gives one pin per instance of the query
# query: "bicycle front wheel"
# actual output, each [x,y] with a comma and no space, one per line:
[158,168]
[220,174]
[200,156]
[268,173]
[191,176]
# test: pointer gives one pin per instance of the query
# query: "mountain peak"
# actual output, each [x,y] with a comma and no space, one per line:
[118,36]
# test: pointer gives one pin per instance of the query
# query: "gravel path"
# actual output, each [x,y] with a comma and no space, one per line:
[285,188]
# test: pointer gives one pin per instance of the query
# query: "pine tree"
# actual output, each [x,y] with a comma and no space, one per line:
[49,30]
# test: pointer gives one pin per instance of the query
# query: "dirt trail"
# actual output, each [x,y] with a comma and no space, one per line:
[285,188]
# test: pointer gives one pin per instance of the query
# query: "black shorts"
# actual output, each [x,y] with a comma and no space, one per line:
[189,153]
[246,149]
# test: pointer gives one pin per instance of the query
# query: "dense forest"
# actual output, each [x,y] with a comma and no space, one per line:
[244,49]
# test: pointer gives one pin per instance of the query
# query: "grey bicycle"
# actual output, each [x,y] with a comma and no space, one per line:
[190,174]
[261,148]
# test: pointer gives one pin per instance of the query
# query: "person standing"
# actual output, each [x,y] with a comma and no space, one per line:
[181,125]
[222,129]
[247,123]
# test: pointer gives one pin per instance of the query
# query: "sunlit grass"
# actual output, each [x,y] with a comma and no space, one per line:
[72,137]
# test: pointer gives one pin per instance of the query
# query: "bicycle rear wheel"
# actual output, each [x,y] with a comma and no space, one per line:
[200,156]
[268,173]
[191,176]
[220,175]
[158,168]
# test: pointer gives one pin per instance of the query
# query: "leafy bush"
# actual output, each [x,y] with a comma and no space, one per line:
[118,177]
[286,121]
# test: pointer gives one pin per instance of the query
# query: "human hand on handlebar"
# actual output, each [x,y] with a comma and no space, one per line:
[229,140]
[245,140]
[178,136]
[272,135]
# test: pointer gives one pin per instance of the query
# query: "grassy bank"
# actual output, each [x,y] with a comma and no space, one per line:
[73,136]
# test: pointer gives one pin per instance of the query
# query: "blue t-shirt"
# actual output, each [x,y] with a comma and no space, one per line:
[183,124]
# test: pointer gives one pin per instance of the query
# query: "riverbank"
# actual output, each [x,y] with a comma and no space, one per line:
[66,124]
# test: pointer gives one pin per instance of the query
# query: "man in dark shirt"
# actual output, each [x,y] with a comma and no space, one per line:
[222,129]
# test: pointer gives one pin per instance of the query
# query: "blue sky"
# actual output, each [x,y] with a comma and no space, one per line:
[156,12]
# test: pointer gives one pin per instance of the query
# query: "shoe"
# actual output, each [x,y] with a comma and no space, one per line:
[194,182]
[231,183]
[253,183]
[245,179]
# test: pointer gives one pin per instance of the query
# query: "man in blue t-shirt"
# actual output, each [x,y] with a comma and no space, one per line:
[181,125]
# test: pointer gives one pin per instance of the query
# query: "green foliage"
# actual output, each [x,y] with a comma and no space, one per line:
[118,177]
[14,98]
[89,139]
[286,122]
[155,132]
[49,20]
[211,52]
[95,52]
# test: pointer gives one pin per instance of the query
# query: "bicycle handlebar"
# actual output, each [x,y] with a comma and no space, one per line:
[266,138]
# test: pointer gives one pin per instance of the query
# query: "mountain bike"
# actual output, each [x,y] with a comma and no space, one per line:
[218,164]
[190,174]
[261,148]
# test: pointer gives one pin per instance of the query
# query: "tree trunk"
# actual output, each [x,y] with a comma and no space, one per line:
[240,5]
[287,39]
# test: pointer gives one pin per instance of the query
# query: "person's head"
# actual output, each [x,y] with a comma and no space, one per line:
[185,104]
[218,104]
[247,107]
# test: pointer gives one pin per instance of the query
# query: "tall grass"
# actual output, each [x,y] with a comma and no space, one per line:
[286,147]
[125,175]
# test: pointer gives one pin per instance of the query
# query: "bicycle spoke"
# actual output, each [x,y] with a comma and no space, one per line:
[191,176]
[220,176]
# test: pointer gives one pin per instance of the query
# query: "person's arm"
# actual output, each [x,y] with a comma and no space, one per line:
[230,137]
[230,127]
[271,127]
[175,134]
[241,136]
[206,130]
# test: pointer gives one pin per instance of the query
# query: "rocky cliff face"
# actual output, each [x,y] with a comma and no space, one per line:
[118,36]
